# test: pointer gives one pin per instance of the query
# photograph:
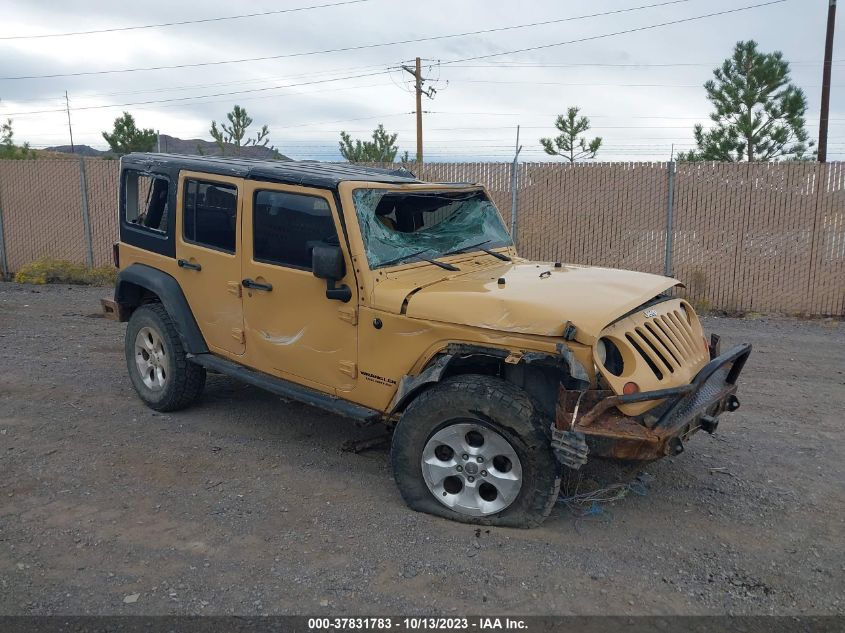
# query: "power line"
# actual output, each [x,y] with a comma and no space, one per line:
[240,82]
[94,95]
[346,69]
[165,24]
[250,99]
[219,94]
[364,118]
[501,65]
[615,33]
[353,48]
[604,85]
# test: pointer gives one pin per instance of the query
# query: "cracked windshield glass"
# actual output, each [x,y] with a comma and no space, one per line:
[407,226]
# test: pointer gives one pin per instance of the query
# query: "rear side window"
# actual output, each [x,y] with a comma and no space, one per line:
[287,226]
[210,214]
[146,200]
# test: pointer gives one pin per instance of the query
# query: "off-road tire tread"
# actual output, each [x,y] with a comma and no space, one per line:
[186,381]
[508,409]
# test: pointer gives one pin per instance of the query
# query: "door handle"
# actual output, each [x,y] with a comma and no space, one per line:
[254,285]
[184,263]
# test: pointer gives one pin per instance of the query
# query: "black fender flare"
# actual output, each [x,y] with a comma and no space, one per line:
[409,385]
[128,293]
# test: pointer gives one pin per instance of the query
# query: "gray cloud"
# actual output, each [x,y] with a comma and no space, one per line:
[486,113]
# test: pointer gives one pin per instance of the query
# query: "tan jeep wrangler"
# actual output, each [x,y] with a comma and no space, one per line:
[378,297]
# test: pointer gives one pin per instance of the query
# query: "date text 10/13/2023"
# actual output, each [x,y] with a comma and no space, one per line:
[416,624]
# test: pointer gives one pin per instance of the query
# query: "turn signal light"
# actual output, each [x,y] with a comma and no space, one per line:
[630,388]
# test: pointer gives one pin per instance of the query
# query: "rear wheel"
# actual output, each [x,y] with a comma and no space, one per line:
[159,369]
[474,449]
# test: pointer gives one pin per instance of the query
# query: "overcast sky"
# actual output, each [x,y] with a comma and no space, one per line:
[642,90]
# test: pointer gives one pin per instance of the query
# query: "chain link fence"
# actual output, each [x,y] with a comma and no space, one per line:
[767,237]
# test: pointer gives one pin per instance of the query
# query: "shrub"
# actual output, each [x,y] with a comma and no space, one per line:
[48,270]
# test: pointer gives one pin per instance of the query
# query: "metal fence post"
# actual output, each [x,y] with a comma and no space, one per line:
[670,211]
[515,189]
[4,262]
[86,219]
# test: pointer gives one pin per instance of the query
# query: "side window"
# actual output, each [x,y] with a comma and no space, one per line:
[287,226]
[210,214]
[145,200]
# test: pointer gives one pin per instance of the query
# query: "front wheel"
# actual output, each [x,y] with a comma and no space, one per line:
[474,449]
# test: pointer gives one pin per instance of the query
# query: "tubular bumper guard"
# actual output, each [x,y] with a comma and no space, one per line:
[588,422]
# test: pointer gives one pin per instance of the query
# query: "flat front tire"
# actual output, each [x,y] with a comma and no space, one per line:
[474,449]
[158,367]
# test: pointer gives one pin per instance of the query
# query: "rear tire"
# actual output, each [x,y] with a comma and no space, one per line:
[158,367]
[461,446]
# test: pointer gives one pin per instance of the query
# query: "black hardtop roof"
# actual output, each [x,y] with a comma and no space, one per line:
[300,172]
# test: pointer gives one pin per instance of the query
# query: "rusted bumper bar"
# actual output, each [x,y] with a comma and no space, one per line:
[588,422]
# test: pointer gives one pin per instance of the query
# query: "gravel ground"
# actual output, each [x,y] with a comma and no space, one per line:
[246,504]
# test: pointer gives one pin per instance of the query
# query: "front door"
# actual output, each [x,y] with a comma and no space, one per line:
[292,329]
[209,257]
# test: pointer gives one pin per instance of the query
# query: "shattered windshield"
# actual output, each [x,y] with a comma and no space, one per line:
[400,225]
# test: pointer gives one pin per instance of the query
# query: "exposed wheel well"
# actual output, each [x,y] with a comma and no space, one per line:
[539,375]
[133,295]
[139,284]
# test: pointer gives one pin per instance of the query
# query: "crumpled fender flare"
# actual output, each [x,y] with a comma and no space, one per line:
[137,277]
[409,385]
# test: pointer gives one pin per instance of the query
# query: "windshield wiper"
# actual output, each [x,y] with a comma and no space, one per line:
[501,256]
[480,247]
[418,255]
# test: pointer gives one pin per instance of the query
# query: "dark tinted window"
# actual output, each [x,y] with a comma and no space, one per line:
[211,214]
[287,226]
[145,200]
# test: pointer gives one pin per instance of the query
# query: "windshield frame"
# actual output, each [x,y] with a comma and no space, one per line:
[353,219]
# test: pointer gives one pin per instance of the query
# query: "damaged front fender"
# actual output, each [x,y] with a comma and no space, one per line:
[522,368]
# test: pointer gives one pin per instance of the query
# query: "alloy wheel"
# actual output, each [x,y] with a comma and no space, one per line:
[471,469]
[151,358]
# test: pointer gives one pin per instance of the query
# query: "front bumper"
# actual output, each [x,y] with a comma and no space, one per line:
[588,422]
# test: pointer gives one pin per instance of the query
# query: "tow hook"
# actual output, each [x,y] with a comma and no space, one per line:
[709,423]
[674,447]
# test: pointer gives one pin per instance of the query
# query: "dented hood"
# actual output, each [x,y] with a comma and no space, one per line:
[534,298]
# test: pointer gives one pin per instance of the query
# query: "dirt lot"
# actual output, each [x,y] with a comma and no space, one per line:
[246,504]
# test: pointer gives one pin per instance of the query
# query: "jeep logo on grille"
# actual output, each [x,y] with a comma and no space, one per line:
[650,314]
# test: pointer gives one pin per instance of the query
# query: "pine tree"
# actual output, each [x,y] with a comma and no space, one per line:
[567,144]
[759,114]
[8,149]
[234,133]
[382,149]
[126,137]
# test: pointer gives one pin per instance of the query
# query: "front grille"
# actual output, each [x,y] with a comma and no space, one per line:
[666,341]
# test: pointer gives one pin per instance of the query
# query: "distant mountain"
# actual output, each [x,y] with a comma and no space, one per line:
[82,150]
[173,145]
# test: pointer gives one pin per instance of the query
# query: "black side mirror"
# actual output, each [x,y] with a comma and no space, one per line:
[327,263]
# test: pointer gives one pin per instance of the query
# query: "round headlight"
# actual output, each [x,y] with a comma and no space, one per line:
[609,356]
[601,351]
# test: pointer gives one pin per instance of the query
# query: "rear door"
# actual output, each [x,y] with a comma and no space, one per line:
[292,329]
[209,258]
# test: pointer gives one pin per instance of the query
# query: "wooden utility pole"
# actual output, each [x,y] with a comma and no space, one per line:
[828,62]
[416,71]
[69,127]
[418,82]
